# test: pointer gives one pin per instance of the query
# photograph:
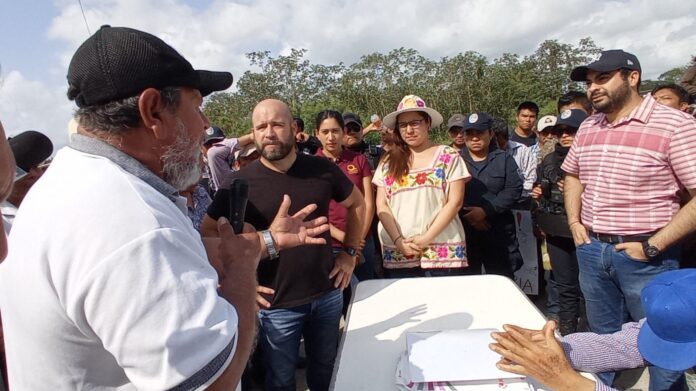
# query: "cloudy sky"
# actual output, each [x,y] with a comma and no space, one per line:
[38,37]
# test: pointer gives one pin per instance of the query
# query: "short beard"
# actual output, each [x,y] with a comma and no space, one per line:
[615,100]
[180,163]
[280,153]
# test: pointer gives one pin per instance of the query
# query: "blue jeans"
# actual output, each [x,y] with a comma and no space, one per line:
[279,338]
[611,282]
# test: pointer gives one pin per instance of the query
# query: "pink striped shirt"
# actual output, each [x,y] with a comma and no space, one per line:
[633,169]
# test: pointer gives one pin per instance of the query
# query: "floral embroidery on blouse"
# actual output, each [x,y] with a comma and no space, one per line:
[432,176]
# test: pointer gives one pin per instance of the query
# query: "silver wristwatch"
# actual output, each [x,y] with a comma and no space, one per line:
[270,245]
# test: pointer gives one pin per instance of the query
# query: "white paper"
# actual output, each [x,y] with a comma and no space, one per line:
[403,383]
[453,355]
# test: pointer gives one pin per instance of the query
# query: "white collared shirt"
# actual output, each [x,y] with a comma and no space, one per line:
[9,212]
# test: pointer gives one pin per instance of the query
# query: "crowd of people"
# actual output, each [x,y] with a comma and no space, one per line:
[124,273]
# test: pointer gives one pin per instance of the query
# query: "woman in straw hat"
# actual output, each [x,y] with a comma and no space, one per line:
[420,188]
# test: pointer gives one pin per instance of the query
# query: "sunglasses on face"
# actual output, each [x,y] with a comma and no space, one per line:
[563,130]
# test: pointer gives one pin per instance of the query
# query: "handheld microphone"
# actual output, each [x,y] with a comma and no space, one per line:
[239,195]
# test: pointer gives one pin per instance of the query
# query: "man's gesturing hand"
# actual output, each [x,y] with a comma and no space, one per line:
[291,231]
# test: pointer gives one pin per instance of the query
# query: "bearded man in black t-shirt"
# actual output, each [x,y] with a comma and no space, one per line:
[300,288]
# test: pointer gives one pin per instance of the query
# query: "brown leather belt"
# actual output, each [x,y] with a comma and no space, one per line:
[616,239]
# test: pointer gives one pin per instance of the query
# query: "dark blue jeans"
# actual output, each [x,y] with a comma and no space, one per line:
[280,331]
[611,282]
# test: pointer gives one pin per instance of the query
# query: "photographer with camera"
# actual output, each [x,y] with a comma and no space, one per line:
[552,219]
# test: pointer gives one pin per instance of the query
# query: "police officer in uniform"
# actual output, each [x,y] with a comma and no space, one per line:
[494,189]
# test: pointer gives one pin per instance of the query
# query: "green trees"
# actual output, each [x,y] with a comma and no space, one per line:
[463,83]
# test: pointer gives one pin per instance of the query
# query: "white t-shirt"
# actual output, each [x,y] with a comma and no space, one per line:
[107,286]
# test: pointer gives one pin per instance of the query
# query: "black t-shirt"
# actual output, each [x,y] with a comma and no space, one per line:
[527,141]
[300,274]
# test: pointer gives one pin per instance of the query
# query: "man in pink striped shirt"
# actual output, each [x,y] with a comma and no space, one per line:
[623,173]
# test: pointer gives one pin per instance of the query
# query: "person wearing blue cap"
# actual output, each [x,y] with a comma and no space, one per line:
[623,175]
[495,188]
[552,220]
[665,338]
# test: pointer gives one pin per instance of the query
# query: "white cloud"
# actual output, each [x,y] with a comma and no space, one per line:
[217,37]
[32,105]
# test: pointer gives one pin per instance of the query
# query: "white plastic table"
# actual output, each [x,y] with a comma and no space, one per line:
[382,311]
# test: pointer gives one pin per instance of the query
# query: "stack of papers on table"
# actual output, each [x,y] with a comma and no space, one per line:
[454,360]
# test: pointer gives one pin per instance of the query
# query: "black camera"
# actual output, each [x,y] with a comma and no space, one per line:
[551,214]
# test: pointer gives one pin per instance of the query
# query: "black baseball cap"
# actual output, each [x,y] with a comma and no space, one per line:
[30,149]
[571,118]
[609,60]
[456,120]
[478,122]
[213,133]
[119,62]
[351,118]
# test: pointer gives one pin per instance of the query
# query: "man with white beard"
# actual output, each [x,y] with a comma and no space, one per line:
[107,285]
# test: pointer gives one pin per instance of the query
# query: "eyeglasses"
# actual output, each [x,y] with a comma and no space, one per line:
[415,124]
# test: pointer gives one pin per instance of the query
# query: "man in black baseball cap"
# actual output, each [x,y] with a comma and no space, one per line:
[353,138]
[613,81]
[131,299]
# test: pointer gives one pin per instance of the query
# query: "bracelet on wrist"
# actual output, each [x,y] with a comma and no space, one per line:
[397,238]
[574,222]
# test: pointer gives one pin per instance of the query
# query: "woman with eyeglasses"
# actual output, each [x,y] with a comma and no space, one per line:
[552,219]
[420,188]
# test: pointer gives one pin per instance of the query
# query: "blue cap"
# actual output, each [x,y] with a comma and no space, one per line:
[667,339]
[571,118]
[477,121]
[213,133]
[609,60]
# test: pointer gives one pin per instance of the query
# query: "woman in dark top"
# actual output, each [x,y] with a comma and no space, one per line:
[495,187]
